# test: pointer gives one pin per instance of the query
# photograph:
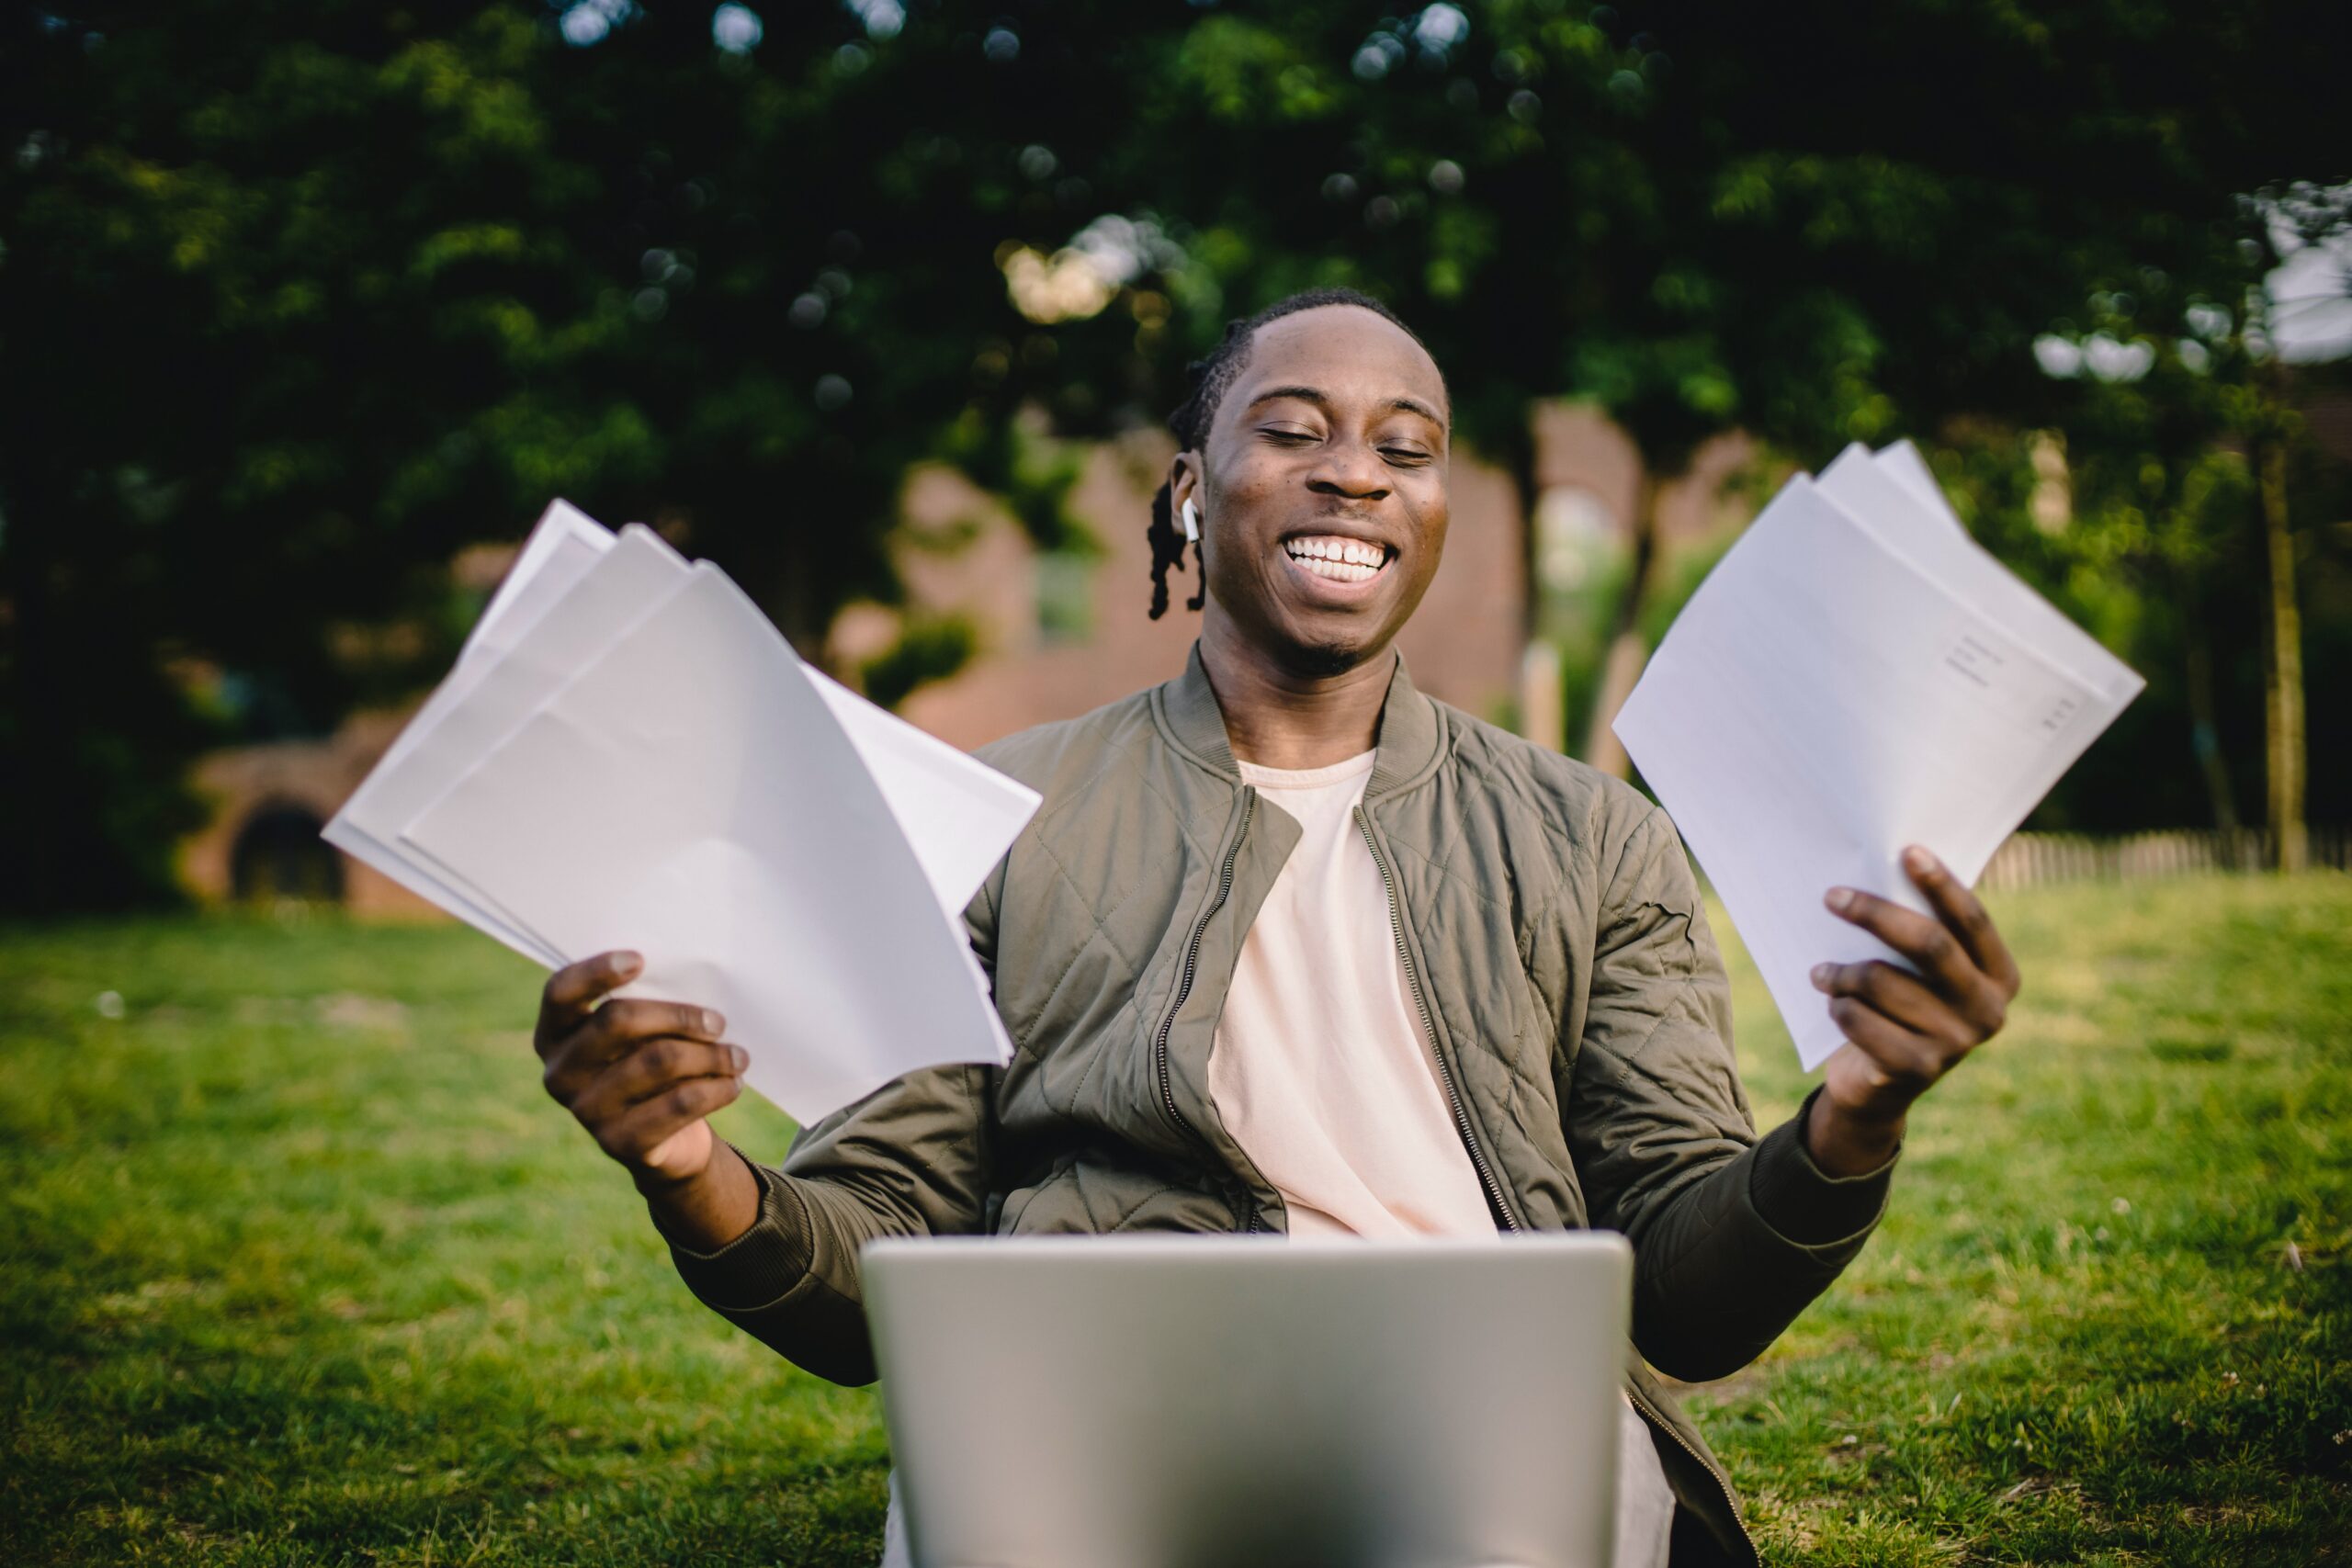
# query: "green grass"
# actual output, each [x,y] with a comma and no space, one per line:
[300,1266]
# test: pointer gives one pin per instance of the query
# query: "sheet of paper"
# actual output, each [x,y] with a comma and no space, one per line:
[1929,537]
[958,813]
[560,549]
[483,699]
[558,552]
[951,807]
[1822,703]
[492,701]
[1903,463]
[691,794]
[429,884]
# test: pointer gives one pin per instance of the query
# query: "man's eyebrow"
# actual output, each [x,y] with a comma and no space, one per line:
[1316,395]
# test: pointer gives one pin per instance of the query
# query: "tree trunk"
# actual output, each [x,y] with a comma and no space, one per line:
[1622,666]
[2282,667]
[2204,730]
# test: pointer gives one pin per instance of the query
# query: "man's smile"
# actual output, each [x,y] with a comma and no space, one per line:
[1337,559]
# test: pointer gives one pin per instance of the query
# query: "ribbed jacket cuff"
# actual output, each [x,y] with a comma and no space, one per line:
[757,1267]
[1803,1203]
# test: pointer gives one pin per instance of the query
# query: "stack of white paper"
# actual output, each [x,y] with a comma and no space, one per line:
[1856,676]
[628,755]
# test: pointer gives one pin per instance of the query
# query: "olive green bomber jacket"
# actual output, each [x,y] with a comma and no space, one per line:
[1551,933]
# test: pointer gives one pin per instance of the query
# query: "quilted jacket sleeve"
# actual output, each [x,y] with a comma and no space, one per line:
[912,1158]
[1732,1236]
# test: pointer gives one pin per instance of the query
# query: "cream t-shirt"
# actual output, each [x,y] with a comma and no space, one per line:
[1320,1069]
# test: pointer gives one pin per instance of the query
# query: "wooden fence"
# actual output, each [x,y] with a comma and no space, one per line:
[2030,860]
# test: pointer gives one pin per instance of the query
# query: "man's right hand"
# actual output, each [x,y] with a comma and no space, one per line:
[640,1075]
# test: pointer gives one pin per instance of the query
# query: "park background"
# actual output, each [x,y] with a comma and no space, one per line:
[306,309]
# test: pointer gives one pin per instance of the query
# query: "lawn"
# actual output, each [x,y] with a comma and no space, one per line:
[301,1267]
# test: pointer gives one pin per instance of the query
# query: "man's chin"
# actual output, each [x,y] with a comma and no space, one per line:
[1322,661]
[1311,643]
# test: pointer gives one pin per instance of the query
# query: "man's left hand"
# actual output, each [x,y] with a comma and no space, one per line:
[1904,1030]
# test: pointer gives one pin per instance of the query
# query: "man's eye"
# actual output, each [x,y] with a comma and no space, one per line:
[1278,434]
[1404,453]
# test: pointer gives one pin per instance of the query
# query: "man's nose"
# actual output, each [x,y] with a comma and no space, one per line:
[1349,469]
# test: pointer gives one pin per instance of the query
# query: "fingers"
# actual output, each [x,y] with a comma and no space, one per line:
[655,1068]
[1902,998]
[1964,914]
[1920,938]
[572,992]
[633,1135]
[1896,1058]
[1905,1031]
[619,1028]
[1946,966]
[640,1075]
[615,1030]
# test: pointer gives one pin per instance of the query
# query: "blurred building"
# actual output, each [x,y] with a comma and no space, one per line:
[268,803]
[1053,632]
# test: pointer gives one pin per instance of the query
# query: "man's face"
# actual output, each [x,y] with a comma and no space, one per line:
[1321,488]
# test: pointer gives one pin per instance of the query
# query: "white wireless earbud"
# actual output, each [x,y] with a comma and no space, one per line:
[1191,522]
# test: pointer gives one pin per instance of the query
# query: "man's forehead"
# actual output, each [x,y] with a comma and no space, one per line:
[1344,349]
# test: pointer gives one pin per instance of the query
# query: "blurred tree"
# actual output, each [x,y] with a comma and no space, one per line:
[2183,448]
[2300,215]
[2132,515]
[299,298]
[1818,222]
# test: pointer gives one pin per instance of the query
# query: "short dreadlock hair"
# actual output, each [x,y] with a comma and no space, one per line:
[1212,377]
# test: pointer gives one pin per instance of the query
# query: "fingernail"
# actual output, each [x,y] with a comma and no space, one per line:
[627,963]
[1840,899]
[712,1023]
[1918,860]
[1821,977]
[740,1057]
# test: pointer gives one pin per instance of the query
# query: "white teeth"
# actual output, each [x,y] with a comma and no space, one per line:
[1342,560]
[1338,571]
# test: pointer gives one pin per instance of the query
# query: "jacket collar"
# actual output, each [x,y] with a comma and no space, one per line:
[1412,730]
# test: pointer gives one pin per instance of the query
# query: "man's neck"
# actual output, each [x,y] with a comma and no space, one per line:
[1277,718]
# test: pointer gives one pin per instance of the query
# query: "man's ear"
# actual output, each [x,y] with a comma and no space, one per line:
[1184,484]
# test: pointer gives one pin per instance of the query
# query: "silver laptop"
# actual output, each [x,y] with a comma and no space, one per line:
[1189,1402]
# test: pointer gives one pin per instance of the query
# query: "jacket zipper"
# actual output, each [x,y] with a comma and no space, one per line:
[1192,961]
[1429,1030]
[1658,1420]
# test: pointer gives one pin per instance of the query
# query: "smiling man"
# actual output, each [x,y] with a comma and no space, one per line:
[1292,947]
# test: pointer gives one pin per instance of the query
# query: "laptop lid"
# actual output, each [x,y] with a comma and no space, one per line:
[1178,1402]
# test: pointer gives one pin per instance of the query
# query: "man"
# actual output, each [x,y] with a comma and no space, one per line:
[1292,947]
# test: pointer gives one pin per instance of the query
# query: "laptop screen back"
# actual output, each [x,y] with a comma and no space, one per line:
[1183,1401]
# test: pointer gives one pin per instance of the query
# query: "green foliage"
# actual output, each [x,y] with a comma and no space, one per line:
[2136,513]
[303,298]
[304,1267]
[1820,225]
[320,293]
[930,647]
[1032,475]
